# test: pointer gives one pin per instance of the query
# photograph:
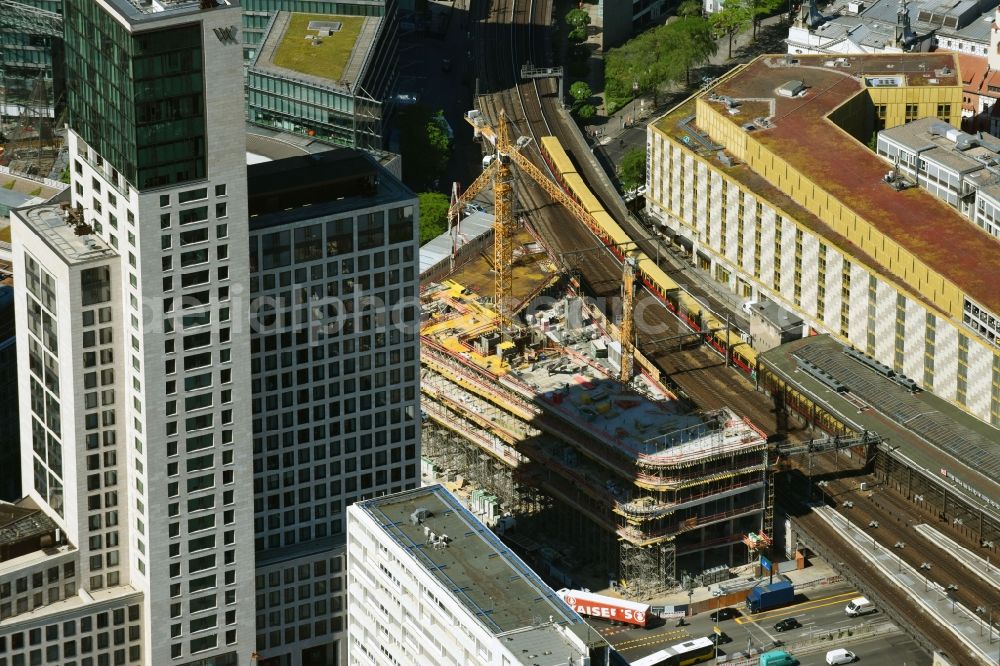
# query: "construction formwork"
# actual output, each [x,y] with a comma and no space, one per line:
[665,488]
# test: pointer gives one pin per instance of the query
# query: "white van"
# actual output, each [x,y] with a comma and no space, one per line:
[859,606]
[840,656]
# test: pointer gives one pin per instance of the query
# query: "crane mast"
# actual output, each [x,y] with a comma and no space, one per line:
[503,228]
[500,173]
[627,326]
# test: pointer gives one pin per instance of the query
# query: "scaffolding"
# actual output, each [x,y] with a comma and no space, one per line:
[656,483]
[648,571]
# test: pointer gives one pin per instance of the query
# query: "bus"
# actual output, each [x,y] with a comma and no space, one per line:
[693,651]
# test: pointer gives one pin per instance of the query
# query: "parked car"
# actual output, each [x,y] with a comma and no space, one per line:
[787,623]
[840,656]
[724,614]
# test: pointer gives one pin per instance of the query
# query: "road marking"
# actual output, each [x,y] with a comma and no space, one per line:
[637,643]
[805,605]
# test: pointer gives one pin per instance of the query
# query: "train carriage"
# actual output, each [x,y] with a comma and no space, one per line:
[578,190]
[554,155]
[612,235]
[683,304]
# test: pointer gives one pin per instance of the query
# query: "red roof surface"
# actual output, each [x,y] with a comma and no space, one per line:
[944,240]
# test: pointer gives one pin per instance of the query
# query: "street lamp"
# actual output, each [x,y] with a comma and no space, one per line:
[718,608]
[988,612]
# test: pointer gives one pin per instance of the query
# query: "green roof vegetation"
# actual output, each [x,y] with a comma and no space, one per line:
[5,235]
[326,59]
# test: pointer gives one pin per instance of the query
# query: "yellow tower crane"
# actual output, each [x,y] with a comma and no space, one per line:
[626,329]
[498,172]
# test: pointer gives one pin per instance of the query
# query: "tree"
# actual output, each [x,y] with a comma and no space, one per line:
[693,43]
[576,18]
[424,142]
[433,215]
[659,57]
[761,8]
[631,169]
[689,8]
[586,111]
[734,17]
[580,92]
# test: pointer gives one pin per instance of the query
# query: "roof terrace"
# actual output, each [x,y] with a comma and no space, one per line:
[76,243]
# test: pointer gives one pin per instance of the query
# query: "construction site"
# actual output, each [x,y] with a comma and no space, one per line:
[536,413]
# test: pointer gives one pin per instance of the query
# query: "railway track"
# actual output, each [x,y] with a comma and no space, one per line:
[510,34]
[699,372]
[895,603]
[896,517]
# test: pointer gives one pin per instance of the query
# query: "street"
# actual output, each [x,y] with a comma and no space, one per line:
[824,626]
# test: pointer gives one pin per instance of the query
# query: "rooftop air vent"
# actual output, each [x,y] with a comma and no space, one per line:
[419,515]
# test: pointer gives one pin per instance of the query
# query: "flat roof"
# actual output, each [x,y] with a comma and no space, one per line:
[801,134]
[22,521]
[927,429]
[48,221]
[939,142]
[138,12]
[312,185]
[574,382]
[875,26]
[484,575]
[294,48]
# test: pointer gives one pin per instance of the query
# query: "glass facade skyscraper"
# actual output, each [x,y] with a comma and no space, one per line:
[137,98]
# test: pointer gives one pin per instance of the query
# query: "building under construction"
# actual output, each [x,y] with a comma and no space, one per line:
[620,475]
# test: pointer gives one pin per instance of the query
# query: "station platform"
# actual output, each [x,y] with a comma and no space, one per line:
[922,430]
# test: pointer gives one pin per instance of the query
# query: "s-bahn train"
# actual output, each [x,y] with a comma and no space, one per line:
[653,277]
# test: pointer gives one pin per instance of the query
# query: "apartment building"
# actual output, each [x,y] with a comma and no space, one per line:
[335,360]
[775,191]
[134,406]
[430,585]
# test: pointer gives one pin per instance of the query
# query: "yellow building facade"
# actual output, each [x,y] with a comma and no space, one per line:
[767,177]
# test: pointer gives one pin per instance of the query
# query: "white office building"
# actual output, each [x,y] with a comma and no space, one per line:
[135,407]
[429,585]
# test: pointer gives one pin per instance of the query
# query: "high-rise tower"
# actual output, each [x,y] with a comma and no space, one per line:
[136,408]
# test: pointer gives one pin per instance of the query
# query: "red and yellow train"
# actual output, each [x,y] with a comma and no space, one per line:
[653,277]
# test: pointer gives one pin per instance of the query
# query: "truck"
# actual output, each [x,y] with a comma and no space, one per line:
[859,606]
[766,597]
[609,608]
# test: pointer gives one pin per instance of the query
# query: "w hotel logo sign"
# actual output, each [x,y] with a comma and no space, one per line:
[226,35]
